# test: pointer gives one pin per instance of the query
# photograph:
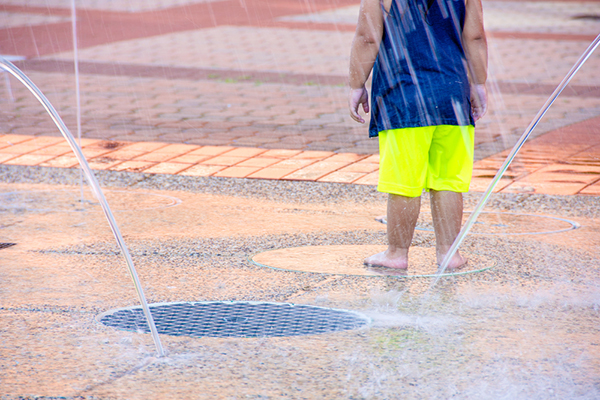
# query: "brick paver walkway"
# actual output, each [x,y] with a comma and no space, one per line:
[256,89]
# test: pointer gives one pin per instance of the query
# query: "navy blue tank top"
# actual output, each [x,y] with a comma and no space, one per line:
[420,74]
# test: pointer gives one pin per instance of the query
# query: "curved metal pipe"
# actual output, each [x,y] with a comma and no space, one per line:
[17,73]
[465,230]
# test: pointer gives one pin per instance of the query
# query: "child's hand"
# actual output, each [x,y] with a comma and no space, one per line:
[478,101]
[355,99]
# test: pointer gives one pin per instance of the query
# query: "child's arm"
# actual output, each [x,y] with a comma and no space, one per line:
[475,45]
[365,47]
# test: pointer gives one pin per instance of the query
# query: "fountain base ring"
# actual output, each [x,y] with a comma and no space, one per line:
[348,260]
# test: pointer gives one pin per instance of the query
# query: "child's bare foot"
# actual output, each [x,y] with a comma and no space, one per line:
[388,259]
[457,261]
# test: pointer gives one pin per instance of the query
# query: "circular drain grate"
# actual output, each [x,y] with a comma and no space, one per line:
[235,319]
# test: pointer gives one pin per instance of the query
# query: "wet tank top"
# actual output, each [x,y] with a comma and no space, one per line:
[420,74]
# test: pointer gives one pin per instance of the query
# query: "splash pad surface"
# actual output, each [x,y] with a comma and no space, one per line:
[198,252]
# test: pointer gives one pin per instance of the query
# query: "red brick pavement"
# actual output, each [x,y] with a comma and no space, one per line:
[563,162]
[571,169]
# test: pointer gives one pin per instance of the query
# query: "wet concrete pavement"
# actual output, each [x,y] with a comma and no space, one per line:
[217,141]
[527,326]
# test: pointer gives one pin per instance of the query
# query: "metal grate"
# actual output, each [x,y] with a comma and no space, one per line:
[5,245]
[235,319]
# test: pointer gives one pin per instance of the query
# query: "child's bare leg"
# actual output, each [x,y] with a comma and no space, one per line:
[447,211]
[402,214]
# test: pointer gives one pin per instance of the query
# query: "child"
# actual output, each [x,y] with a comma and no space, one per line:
[423,110]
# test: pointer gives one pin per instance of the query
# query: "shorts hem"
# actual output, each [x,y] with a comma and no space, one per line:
[459,188]
[455,190]
[399,190]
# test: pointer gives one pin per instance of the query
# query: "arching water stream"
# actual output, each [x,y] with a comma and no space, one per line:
[479,208]
[9,67]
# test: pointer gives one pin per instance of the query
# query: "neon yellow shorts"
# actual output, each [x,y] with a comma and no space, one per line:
[435,157]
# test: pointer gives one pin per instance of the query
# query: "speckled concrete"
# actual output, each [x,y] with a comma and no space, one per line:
[526,329]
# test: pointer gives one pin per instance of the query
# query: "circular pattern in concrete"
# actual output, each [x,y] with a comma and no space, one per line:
[235,319]
[504,223]
[348,260]
[71,201]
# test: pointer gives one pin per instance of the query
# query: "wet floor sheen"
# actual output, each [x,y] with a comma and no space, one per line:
[525,322]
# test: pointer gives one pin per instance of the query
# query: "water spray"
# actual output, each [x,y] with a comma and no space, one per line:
[77,87]
[17,73]
[467,227]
